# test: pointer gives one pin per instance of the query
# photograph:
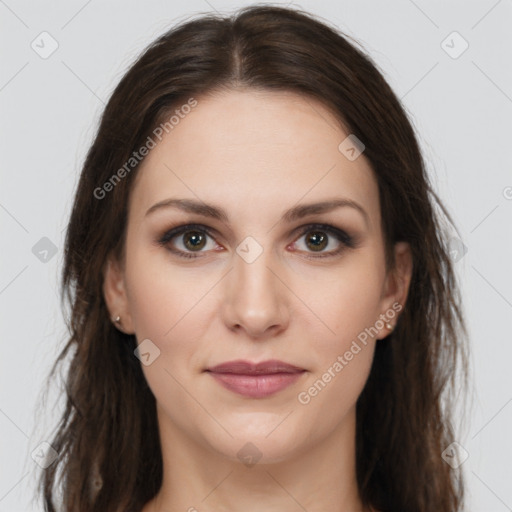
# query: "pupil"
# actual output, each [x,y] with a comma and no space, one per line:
[196,239]
[319,241]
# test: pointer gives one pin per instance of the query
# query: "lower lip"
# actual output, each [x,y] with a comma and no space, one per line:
[256,386]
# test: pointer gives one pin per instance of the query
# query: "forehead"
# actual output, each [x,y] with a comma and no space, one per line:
[250,150]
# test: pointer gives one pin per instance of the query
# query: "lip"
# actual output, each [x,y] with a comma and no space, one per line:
[255,380]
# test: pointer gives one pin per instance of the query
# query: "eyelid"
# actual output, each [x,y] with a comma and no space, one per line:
[179,229]
[346,240]
[339,233]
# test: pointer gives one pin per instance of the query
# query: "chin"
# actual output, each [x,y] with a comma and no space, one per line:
[254,442]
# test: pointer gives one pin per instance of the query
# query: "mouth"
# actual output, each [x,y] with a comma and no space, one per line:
[255,380]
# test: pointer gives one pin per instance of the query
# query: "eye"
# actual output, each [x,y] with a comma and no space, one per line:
[193,238]
[318,237]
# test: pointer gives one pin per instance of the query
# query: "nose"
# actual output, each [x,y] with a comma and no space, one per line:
[256,300]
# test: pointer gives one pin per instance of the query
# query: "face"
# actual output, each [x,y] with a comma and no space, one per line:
[244,268]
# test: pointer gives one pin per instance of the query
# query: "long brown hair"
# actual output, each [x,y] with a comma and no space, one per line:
[109,454]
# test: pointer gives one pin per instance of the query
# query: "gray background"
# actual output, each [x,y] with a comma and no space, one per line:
[50,106]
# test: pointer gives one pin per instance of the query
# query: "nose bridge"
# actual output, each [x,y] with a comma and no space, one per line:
[255,276]
[256,300]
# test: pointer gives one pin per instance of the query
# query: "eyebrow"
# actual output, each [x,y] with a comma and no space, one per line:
[295,213]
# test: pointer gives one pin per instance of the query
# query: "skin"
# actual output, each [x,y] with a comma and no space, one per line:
[255,154]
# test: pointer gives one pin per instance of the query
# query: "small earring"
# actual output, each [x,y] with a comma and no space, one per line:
[389,326]
[117,319]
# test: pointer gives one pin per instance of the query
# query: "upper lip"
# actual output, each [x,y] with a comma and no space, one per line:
[247,368]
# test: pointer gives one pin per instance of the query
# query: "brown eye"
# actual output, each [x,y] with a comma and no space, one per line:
[317,241]
[186,240]
[194,240]
[324,240]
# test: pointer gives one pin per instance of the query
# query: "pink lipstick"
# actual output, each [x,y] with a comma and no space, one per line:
[255,380]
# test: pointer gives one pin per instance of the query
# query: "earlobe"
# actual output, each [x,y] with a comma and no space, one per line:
[114,292]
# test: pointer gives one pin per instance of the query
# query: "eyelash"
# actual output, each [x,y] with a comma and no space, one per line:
[347,240]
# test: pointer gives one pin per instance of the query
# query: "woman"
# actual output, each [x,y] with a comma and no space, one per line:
[264,312]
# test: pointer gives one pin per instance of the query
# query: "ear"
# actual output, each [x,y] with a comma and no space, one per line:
[114,292]
[396,286]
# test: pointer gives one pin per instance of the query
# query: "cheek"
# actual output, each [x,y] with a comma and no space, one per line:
[161,295]
[348,303]
[158,306]
[164,302]
[332,393]
[344,300]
